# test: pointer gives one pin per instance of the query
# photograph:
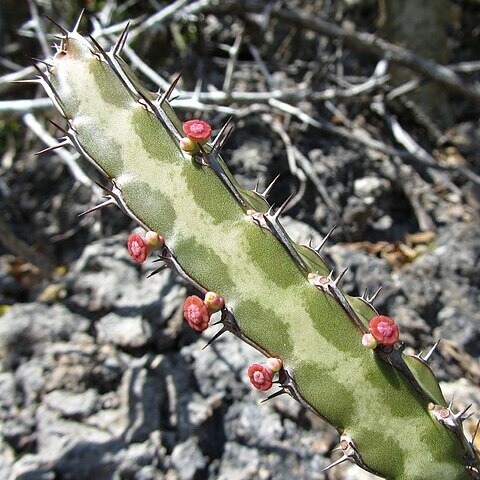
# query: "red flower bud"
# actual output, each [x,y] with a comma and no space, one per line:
[196,313]
[274,364]
[197,130]
[384,329]
[153,240]
[137,248]
[368,340]
[188,145]
[260,376]
[214,301]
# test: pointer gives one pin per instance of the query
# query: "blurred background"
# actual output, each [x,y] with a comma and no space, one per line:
[368,112]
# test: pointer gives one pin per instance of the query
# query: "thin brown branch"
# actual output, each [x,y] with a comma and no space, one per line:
[363,41]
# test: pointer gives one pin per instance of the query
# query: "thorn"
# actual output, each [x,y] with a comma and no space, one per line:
[325,239]
[450,405]
[62,29]
[470,415]
[270,210]
[364,294]
[402,347]
[335,463]
[59,127]
[160,259]
[109,201]
[117,49]
[171,88]
[223,139]
[43,62]
[77,23]
[222,135]
[104,188]
[426,358]
[217,335]
[459,416]
[374,296]
[472,440]
[33,61]
[274,394]
[53,147]
[31,81]
[157,270]
[282,207]
[337,280]
[269,188]
[98,46]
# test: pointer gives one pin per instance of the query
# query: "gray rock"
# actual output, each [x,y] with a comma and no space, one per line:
[250,160]
[125,332]
[188,460]
[76,450]
[222,366]
[27,328]
[141,396]
[102,274]
[141,460]
[8,391]
[370,186]
[252,421]
[72,405]
[7,458]
[239,463]
[32,467]
[56,435]
[31,376]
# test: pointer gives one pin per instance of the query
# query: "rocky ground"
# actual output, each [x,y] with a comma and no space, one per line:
[100,378]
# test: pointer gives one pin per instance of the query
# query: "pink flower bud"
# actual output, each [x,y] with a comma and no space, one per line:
[197,130]
[188,145]
[137,248]
[196,313]
[368,340]
[214,301]
[384,329]
[260,376]
[153,240]
[274,364]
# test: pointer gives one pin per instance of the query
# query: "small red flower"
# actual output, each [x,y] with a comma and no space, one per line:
[196,313]
[197,130]
[384,329]
[260,376]
[137,248]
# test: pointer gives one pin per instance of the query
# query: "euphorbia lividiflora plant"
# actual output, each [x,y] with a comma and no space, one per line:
[332,352]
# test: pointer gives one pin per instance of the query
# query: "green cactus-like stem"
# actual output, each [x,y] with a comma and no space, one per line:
[278,295]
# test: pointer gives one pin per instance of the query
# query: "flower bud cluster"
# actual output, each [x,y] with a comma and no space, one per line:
[140,247]
[197,133]
[261,375]
[383,331]
[197,312]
